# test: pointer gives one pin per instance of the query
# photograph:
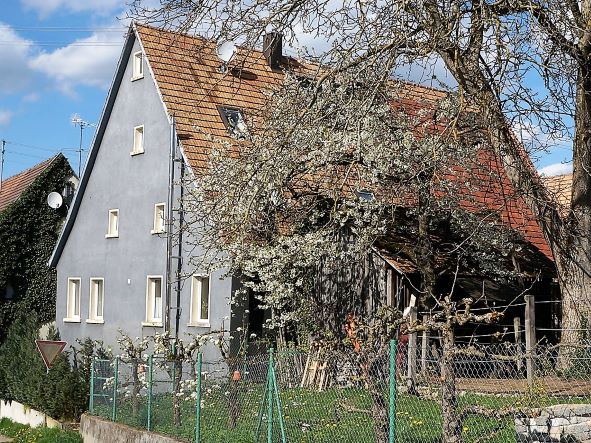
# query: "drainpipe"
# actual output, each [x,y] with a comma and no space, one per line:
[180,252]
[170,224]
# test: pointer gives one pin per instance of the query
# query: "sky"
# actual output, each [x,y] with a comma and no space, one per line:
[57,60]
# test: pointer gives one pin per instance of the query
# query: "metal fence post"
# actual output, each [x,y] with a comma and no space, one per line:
[279,407]
[115,382]
[392,396]
[150,365]
[270,398]
[198,392]
[91,398]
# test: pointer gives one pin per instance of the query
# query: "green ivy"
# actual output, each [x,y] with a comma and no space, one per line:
[29,230]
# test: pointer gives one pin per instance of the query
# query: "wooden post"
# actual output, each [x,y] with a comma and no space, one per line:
[424,345]
[530,337]
[389,291]
[517,332]
[411,371]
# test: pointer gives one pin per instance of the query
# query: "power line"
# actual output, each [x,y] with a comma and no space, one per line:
[63,29]
[42,148]
[32,43]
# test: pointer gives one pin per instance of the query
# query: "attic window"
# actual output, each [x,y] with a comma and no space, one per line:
[138,66]
[366,195]
[234,121]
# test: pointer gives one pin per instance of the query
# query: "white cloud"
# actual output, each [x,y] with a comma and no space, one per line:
[14,52]
[31,98]
[556,169]
[5,117]
[86,61]
[47,7]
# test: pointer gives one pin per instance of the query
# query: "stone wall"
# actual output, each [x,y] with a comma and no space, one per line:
[555,424]
[98,430]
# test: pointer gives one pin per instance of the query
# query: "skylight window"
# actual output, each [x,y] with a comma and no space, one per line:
[366,195]
[234,121]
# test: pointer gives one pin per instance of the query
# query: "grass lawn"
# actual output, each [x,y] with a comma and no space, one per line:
[26,434]
[332,416]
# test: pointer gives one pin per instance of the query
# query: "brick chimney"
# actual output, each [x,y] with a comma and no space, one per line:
[273,49]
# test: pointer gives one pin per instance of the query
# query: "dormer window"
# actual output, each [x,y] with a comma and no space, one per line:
[234,121]
[138,66]
[366,195]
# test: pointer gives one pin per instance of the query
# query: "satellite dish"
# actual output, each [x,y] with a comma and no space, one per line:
[54,200]
[225,51]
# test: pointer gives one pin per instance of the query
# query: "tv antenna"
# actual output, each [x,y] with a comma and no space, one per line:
[2,151]
[77,121]
[225,50]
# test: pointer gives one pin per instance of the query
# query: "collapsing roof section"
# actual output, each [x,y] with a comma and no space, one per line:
[194,89]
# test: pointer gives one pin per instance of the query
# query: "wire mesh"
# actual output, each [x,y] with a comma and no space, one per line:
[324,396]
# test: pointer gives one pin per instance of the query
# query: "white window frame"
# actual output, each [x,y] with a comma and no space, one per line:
[71,316]
[137,69]
[155,228]
[150,299]
[93,316]
[196,296]
[109,233]
[135,150]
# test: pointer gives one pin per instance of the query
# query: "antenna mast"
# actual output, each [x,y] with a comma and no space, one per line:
[2,161]
[77,121]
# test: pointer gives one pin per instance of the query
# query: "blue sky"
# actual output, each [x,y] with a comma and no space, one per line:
[57,59]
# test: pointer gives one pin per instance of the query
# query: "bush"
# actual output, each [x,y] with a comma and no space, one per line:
[61,393]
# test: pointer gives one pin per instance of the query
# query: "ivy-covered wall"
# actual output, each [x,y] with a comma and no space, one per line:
[29,229]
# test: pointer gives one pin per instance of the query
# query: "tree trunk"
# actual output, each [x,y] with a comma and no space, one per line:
[574,264]
[576,308]
[136,388]
[176,399]
[452,427]
[379,410]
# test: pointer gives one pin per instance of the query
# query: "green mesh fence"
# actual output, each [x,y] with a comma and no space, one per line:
[393,395]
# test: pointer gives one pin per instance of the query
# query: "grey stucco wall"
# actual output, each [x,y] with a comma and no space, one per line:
[133,185]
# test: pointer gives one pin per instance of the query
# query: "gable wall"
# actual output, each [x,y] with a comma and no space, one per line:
[132,184]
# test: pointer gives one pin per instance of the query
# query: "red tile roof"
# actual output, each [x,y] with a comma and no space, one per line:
[193,88]
[14,186]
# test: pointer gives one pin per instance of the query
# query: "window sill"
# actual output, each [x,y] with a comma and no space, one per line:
[95,322]
[151,324]
[156,232]
[112,236]
[202,324]
[71,320]
[137,77]
[136,153]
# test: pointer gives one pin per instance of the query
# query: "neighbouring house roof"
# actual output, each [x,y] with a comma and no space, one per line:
[193,88]
[14,186]
[560,188]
